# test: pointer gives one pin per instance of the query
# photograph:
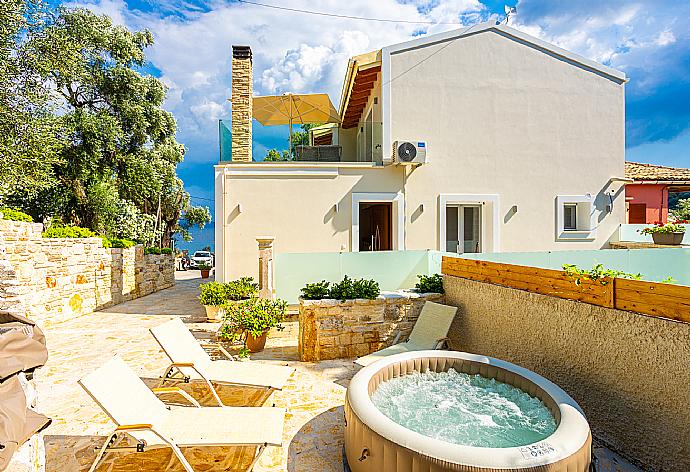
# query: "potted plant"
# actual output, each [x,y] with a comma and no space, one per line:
[241,289]
[250,321]
[213,296]
[667,234]
[205,270]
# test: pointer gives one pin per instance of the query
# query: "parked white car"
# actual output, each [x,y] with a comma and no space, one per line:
[201,257]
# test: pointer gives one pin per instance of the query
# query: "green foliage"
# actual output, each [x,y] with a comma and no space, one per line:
[166,250]
[193,216]
[315,291]
[83,135]
[122,243]
[254,317]
[346,289]
[664,228]
[681,210]
[15,215]
[274,155]
[218,293]
[598,272]
[59,231]
[204,266]
[430,284]
[152,250]
[241,289]
[669,280]
[213,294]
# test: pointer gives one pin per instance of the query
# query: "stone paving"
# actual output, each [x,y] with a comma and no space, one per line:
[314,396]
[313,435]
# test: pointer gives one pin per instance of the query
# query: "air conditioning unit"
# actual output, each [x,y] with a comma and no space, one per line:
[409,152]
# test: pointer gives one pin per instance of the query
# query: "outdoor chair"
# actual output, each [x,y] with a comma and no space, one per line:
[141,416]
[191,362]
[429,332]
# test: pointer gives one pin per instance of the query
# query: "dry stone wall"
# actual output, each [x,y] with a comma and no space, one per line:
[57,279]
[331,329]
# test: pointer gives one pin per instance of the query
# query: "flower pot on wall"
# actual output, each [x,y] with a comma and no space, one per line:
[671,239]
[205,273]
[214,314]
[256,344]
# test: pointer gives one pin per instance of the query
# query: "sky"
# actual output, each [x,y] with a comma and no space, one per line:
[649,40]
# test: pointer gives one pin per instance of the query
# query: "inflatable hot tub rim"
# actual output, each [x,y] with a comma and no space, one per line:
[571,435]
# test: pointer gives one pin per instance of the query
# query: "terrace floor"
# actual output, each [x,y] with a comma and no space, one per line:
[314,396]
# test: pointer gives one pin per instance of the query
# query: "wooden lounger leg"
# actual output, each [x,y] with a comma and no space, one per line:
[261,450]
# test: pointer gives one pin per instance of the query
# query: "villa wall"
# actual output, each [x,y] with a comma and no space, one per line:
[331,329]
[56,279]
[627,371]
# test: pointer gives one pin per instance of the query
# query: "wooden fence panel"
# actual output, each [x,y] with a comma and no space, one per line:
[649,298]
[532,279]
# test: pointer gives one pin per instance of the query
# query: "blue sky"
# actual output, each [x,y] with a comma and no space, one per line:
[647,39]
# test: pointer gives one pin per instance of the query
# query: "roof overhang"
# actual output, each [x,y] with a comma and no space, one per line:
[362,73]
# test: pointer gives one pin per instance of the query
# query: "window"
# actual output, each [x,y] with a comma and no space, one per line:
[575,217]
[570,217]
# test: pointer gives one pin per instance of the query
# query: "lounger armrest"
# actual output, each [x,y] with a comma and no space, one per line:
[440,342]
[177,390]
[134,427]
[182,364]
[218,347]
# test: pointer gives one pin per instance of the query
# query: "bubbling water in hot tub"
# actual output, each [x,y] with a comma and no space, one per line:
[464,409]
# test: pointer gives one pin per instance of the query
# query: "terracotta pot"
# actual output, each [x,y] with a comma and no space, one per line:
[671,239]
[214,314]
[256,344]
[205,273]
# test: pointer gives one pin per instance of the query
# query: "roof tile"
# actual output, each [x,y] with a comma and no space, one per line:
[638,171]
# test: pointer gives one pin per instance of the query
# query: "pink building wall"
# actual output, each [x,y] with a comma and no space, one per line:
[654,196]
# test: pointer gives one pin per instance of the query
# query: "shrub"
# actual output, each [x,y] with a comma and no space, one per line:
[152,250]
[59,231]
[166,250]
[349,289]
[241,289]
[315,291]
[121,243]
[204,266]
[106,242]
[430,284]
[15,215]
[676,227]
[213,294]
[598,272]
[254,316]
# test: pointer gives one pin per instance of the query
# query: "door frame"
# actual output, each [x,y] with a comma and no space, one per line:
[397,201]
[490,221]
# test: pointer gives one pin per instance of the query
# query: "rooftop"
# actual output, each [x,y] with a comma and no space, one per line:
[652,172]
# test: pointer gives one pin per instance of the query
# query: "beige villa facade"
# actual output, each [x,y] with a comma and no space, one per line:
[524,148]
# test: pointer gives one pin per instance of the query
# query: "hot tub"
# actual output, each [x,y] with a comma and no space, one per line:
[373,442]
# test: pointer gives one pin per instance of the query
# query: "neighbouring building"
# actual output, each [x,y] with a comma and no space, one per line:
[647,196]
[516,145]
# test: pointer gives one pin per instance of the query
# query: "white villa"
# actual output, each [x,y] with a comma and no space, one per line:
[518,145]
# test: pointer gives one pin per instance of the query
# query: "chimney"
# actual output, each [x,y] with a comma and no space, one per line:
[242,92]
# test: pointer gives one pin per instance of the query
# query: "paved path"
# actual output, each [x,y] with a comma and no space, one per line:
[314,395]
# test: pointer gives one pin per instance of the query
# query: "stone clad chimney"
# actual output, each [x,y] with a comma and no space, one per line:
[242,91]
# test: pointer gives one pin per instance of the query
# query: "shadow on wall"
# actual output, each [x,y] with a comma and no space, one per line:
[627,371]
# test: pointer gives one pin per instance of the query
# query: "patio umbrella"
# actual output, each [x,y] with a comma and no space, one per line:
[290,108]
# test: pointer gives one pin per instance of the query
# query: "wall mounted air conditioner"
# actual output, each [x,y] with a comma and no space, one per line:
[409,152]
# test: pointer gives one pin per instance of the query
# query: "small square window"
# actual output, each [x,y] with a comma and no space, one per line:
[570,217]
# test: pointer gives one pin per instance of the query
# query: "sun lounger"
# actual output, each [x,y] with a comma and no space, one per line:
[429,332]
[139,414]
[191,362]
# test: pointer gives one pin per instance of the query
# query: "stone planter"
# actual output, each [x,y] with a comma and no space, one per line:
[214,314]
[333,329]
[670,239]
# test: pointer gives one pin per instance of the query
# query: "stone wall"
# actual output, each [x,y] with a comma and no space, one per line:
[331,329]
[629,372]
[56,279]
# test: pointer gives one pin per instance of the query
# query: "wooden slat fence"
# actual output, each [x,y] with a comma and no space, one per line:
[649,298]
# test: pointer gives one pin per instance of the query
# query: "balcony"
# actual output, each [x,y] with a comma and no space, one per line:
[325,143]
